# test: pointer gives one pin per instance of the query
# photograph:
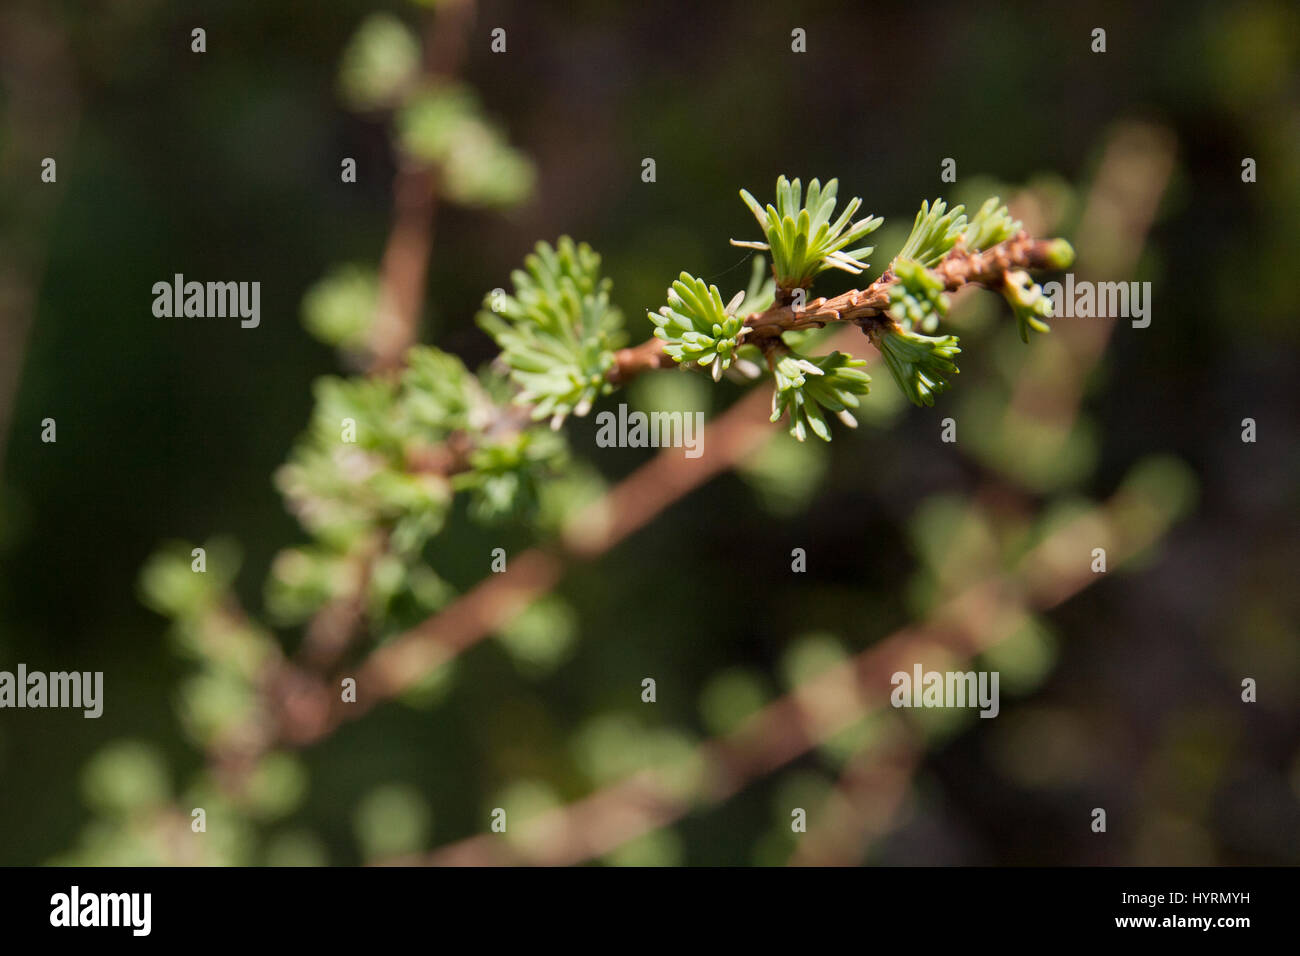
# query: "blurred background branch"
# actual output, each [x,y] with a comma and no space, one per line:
[964,626]
[404,269]
[41,107]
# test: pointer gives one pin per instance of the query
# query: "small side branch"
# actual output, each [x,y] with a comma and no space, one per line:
[867,308]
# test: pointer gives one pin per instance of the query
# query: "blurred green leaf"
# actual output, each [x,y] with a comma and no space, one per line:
[126,776]
[381,60]
[391,820]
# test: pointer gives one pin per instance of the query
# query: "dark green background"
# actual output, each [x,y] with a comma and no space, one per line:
[225,166]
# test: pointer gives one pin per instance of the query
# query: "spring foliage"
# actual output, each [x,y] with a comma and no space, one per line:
[804,239]
[801,236]
[387,458]
[438,430]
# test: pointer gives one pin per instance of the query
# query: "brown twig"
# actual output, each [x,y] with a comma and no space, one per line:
[404,268]
[333,627]
[864,802]
[866,308]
